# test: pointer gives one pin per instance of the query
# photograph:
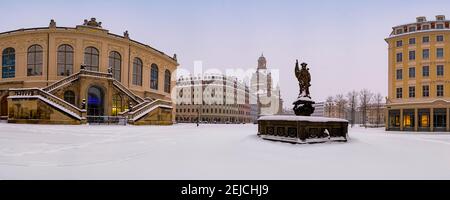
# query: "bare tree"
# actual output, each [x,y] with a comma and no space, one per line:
[340,102]
[378,100]
[352,98]
[364,97]
[329,106]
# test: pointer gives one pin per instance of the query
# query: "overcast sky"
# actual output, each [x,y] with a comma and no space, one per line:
[343,41]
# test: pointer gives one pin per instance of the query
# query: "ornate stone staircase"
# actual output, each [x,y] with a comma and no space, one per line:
[142,107]
[146,107]
[50,99]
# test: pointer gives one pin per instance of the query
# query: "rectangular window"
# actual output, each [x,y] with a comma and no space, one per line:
[412,29]
[440,70]
[440,52]
[425,71]
[440,90]
[399,57]
[412,55]
[440,38]
[399,93]
[426,54]
[426,39]
[412,72]
[424,118]
[440,26]
[426,91]
[412,41]
[425,27]
[399,43]
[399,31]
[412,92]
[399,74]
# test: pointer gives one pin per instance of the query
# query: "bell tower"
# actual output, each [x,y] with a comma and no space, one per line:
[262,63]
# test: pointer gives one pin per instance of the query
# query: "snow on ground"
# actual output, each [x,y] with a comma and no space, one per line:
[185,151]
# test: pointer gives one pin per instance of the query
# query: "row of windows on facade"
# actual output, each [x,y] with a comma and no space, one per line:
[65,60]
[219,111]
[423,27]
[425,54]
[425,91]
[424,116]
[425,72]
[425,40]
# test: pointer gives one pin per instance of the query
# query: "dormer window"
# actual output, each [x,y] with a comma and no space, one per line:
[399,31]
[426,27]
[439,26]
[411,29]
[440,17]
[421,19]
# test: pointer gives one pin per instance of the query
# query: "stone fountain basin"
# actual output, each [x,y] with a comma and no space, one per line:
[302,129]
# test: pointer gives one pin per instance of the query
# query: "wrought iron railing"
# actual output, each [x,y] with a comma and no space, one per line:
[106,120]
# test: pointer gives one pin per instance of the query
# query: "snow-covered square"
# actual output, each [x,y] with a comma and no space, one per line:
[185,151]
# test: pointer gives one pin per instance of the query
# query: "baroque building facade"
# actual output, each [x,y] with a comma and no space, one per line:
[65,75]
[419,90]
[213,98]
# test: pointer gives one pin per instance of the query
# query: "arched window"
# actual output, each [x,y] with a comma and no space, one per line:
[137,71]
[154,77]
[117,104]
[91,58]
[9,63]
[167,77]
[69,96]
[34,60]
[65,60]
[115,63]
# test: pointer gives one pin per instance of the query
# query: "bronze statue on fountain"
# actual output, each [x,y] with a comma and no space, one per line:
[304,104]
[302,129]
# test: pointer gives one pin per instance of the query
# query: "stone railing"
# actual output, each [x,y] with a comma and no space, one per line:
[36,92]
[136,107]
[62,82]
[95,73]
[75,77]
[125,90]
[133,115]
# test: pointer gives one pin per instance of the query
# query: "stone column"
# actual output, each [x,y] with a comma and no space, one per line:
[401,119]
[431,119]
[416,119]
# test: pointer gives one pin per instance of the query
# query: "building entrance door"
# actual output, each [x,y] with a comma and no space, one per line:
[95,104]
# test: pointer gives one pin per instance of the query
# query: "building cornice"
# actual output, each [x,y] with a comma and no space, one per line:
[416,32]
[94,31]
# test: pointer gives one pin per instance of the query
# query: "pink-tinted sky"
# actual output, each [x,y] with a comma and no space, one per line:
[343,41]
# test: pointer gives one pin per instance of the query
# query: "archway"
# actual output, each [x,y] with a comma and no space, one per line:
[95,103]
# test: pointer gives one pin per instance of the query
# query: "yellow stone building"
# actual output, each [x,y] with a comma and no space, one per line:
[63,75]
[419,74]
